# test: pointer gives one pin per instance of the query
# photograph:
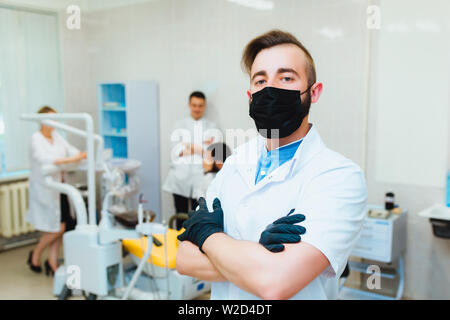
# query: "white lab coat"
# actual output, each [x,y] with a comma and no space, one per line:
[44,211]
[321,184]
[186,171]
[201,187]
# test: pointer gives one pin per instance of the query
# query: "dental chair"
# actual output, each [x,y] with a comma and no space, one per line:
[159,270]
[93,259]
[156,263]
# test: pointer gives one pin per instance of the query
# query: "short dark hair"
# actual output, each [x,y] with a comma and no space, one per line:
[219,151]
[197,94]
[271,39]
[46,109]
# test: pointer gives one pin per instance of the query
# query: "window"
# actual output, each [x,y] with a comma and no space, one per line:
[30,77]
[2,144]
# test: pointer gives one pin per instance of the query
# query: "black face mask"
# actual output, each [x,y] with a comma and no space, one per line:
[277,110]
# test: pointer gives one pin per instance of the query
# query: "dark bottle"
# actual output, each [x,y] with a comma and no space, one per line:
[389,201]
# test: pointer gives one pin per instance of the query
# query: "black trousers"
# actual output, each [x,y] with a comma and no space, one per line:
[182,206]
[65,213]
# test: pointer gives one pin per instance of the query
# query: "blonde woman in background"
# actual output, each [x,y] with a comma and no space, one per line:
[45,205]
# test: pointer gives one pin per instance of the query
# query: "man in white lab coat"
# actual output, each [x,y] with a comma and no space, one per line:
[190,137]
[284,170]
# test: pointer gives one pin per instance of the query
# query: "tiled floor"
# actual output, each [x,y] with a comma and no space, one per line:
[17,281]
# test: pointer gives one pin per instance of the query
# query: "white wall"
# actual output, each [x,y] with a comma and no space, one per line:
[196,44]
[408,139]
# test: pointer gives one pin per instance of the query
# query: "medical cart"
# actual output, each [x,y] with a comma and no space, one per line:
[383,241]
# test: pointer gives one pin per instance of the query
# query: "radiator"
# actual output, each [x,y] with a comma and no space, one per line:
[13,208]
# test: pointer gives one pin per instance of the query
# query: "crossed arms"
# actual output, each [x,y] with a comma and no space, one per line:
[252,267]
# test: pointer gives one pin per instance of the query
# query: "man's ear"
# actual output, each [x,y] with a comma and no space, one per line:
[249,94]
[316,91]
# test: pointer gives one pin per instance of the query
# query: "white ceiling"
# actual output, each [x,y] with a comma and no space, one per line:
[92,5]
[57,5]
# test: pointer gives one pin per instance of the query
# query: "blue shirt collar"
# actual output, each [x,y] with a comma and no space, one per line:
[271,160]
[284,153]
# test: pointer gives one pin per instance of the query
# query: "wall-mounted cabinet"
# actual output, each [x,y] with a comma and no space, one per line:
[129,124]
[113,118]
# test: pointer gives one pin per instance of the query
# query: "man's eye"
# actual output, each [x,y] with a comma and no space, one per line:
[287,79]
[260,82]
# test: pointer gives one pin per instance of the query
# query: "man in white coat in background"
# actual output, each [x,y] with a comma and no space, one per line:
[190,137]
[235,238]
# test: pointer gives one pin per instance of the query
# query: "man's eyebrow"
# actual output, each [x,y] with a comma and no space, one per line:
[259,73]
[283,70]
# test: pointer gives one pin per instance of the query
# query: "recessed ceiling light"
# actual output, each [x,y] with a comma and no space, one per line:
[255,4]
[427,26]
[331,33]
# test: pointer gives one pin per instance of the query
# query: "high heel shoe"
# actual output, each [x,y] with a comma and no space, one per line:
[48,269]
[33,268]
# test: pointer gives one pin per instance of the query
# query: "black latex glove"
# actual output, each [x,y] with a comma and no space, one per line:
[282,231]
[202,223]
